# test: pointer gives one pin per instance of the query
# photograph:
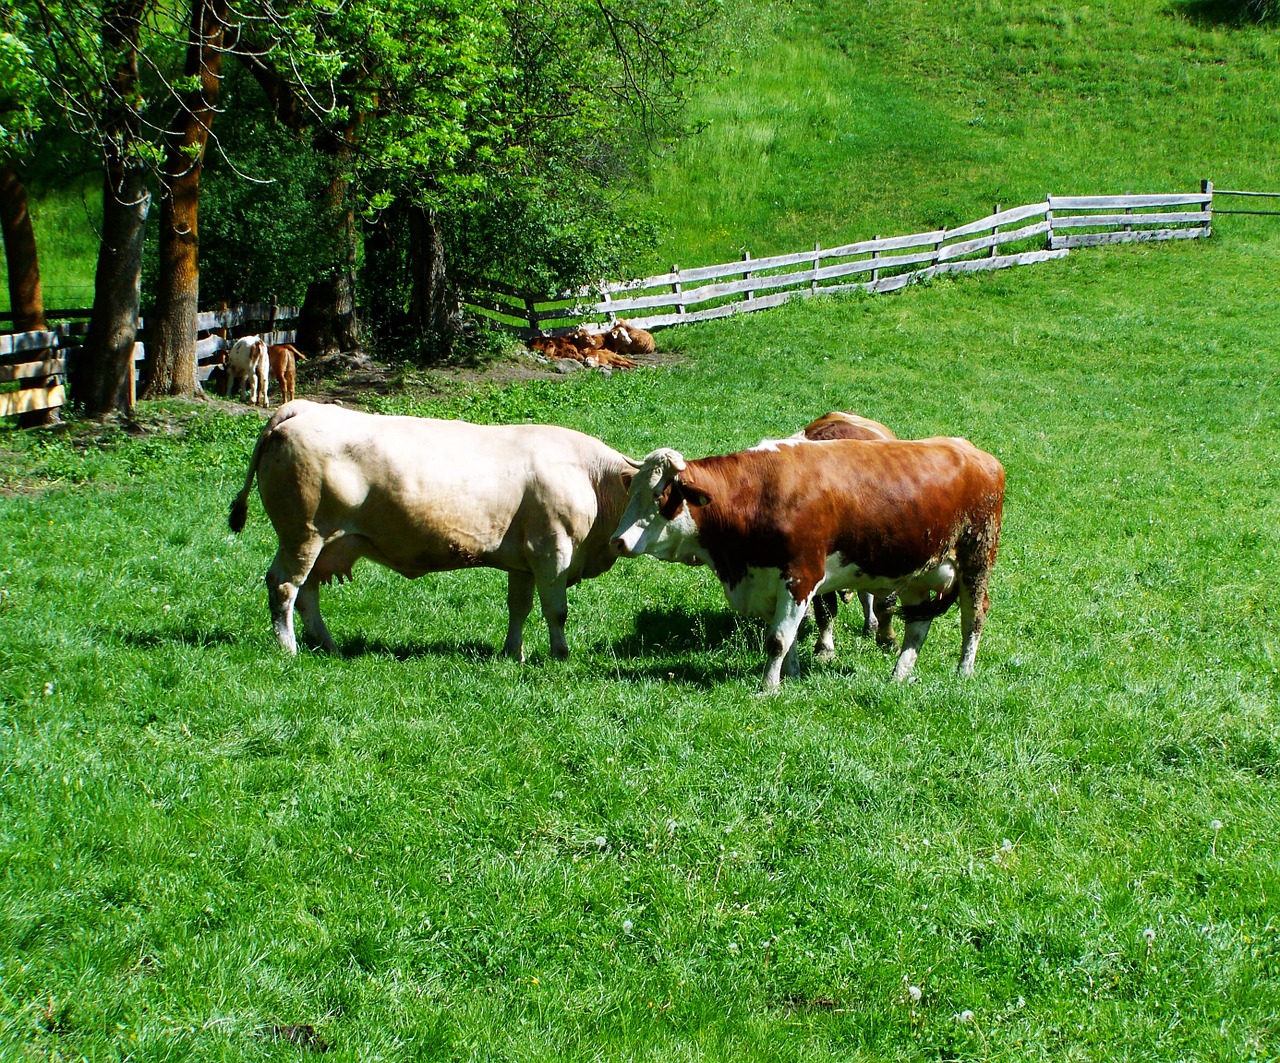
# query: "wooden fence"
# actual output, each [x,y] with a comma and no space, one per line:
[37,361]
[1018,236]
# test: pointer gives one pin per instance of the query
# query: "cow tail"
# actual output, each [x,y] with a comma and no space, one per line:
[930,610]
[240,504]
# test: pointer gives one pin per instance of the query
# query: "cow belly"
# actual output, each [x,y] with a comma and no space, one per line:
[756,594]
[841,575]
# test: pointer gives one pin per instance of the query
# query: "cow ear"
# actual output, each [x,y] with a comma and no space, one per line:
[627,475]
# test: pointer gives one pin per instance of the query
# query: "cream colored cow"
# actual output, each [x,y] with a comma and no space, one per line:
[420,495]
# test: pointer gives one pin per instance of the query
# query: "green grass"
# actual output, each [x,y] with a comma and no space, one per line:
[430,853]
[65,221]
[858,119]
[426,852]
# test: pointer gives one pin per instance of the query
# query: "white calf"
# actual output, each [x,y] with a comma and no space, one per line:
[247,369]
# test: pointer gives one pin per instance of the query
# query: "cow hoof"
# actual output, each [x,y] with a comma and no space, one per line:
[822,654]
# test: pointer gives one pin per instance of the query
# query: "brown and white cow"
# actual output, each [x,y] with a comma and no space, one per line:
[780,525]
[247,369]
[628,339]
[420,495]
[877,613]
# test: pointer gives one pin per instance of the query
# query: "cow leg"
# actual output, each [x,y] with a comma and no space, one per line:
[308,605]
[917,631]
[973,615]
[824,615]
[882,611]
[286,576]
[781,640]
[554,596]
[519,603]
[870,619]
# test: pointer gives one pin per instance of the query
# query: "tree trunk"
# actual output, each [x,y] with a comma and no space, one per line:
[20,253]
[432,308]
[171,332]
[101,375]
[327,321]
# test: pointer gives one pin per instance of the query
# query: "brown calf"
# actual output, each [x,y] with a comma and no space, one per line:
[284,358]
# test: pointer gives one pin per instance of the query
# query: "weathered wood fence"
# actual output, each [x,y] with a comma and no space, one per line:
[37,361]
[1017,236]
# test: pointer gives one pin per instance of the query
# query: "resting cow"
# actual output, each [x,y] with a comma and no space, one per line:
[247,367]
[625,338]
[420,495]
[876,612]
[780,525]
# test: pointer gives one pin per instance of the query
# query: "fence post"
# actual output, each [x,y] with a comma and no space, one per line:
[937,248]
[1128,210]
[1048,217]
[1206,189]
[531,312]
[750,293]
[677,291]
[875,270]
[817,261]
[995,231]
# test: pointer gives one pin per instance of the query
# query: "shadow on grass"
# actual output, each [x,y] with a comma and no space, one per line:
[1219,13]
[356,646]
[150,640]
[469,649]
[683,646]
[663,631]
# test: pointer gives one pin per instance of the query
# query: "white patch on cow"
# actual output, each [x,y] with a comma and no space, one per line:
[667,540]
[756,594]
[643,530]
[775,445]
[914,586]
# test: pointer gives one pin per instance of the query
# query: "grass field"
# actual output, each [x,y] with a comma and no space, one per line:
[426,852]
[422,851]
[857,119]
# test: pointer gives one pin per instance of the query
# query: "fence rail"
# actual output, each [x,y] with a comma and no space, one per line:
[1017,236]
[37,361]
[1003,239]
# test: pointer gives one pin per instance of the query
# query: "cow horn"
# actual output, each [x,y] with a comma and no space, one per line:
[667,456]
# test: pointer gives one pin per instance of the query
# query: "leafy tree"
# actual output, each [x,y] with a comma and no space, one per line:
[489,119]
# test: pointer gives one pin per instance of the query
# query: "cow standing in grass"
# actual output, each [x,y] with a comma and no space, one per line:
[877,613]
[782,524]
[420,495]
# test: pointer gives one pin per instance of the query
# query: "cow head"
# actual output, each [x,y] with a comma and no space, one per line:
[657,520]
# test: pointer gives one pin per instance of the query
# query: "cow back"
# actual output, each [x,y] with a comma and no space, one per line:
[888,507]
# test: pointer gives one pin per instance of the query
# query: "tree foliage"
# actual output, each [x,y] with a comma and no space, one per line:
[473,136]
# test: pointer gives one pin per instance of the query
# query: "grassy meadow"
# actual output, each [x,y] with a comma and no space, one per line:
[421,851]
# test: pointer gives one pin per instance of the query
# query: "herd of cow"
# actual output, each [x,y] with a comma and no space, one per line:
[841,506]
[611,348]
[250,363]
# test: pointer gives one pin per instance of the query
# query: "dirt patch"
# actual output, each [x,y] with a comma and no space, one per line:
[351,377]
